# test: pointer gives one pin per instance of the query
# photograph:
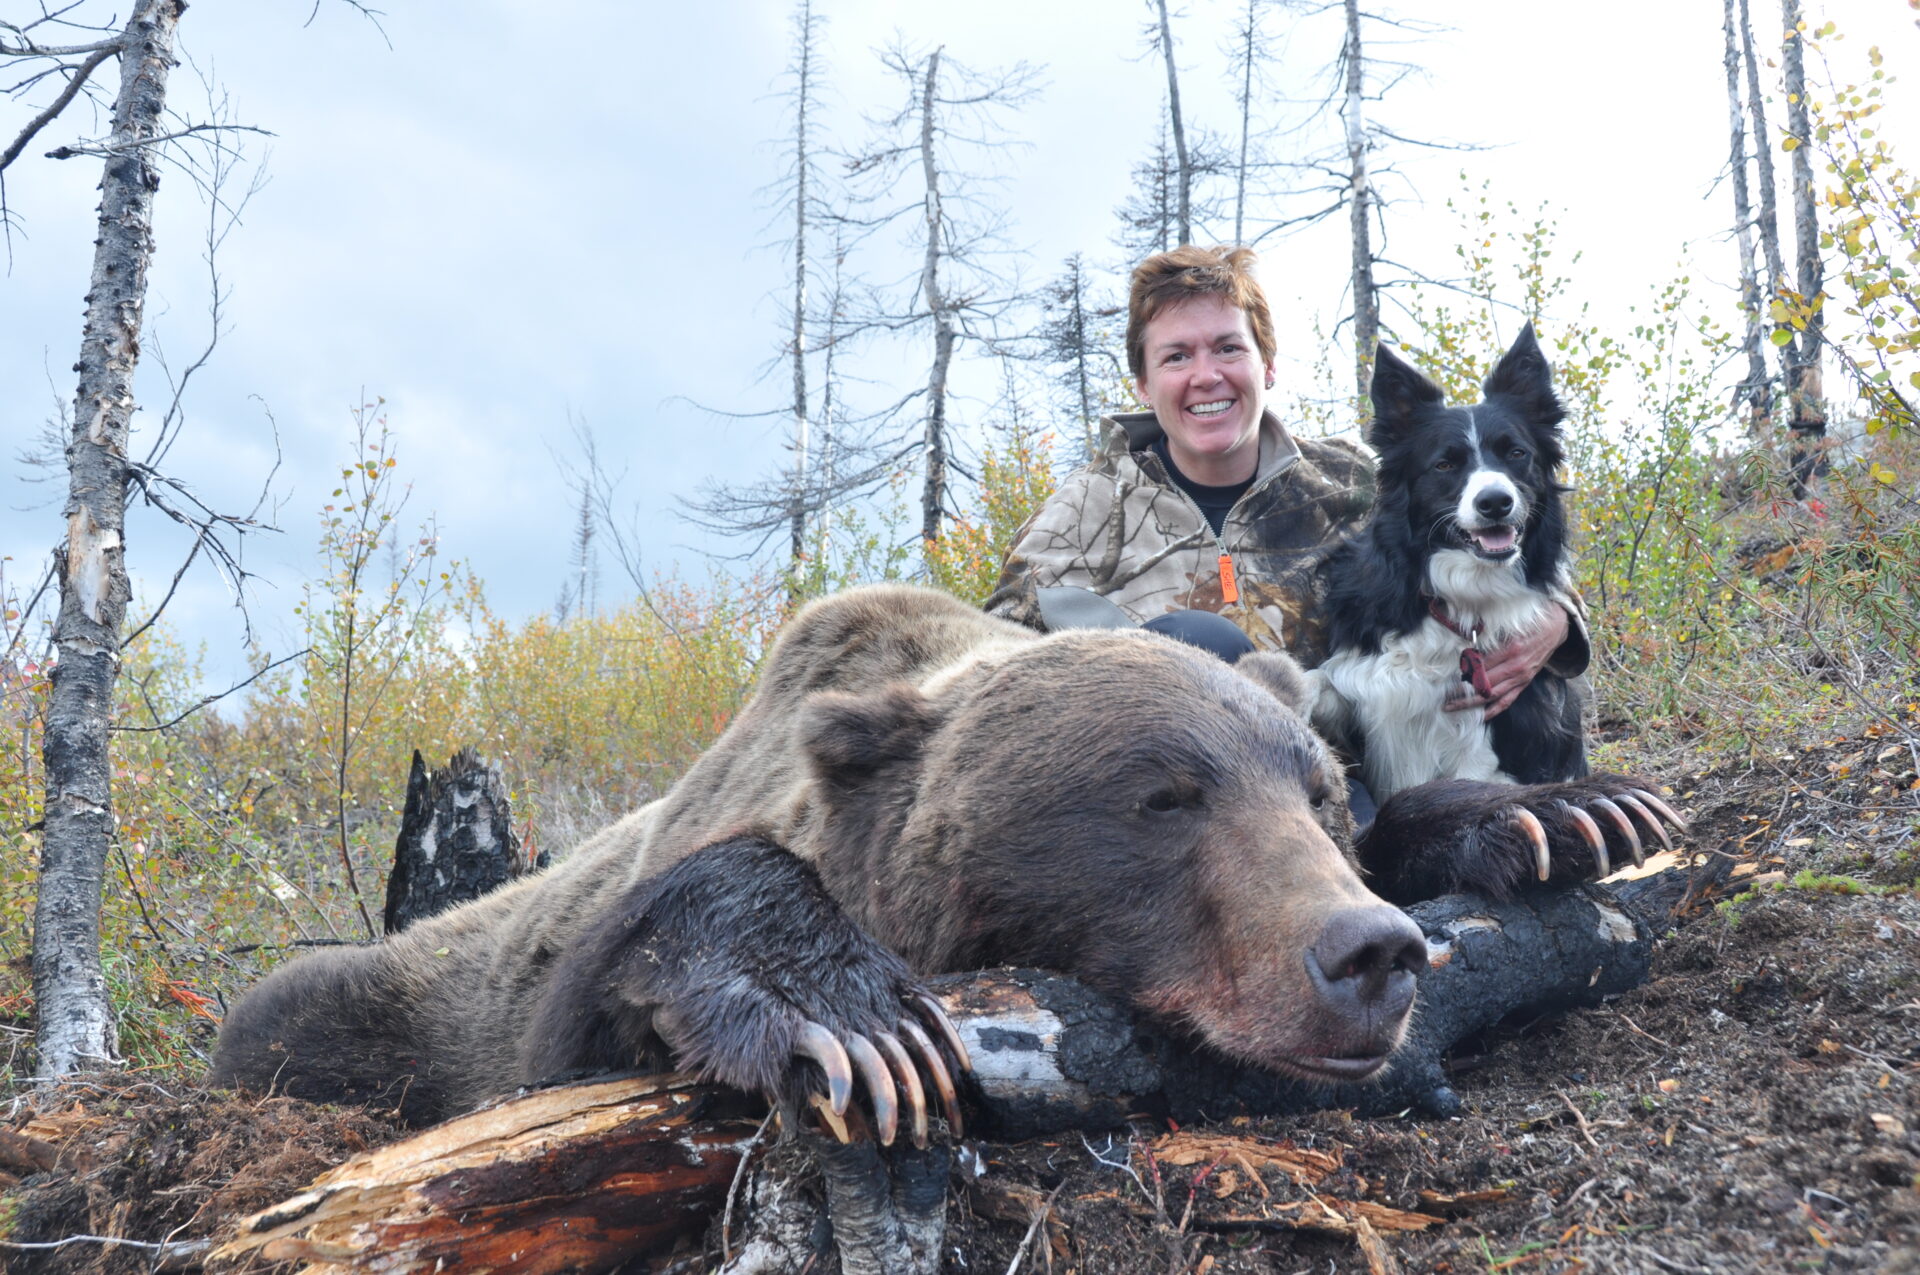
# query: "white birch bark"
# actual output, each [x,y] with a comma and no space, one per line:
[1753,389]
[75,1020]
[1808,418]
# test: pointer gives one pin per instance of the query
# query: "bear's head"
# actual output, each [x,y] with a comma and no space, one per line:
[1126,809]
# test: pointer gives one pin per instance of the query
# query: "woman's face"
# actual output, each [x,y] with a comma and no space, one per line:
[1206,383]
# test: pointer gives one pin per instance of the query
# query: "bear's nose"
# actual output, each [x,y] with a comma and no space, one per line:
[1366,960]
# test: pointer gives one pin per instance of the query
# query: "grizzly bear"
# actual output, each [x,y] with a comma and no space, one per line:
[917,788]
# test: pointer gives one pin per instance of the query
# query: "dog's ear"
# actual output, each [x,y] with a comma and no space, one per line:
[1399,391]
[1523,378]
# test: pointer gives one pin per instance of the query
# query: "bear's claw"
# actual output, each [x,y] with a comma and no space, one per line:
[821,1045]
[1494,838]
[1632,802]
[931,1010]
[942,1080]
[1623,824]
[879,1082]
[1596,839]
[909,1077]
[881,1062]
[1536,835]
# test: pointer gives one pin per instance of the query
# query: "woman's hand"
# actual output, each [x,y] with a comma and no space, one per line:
[1512,666]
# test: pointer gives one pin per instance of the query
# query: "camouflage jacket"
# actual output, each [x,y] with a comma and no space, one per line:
[1120,527]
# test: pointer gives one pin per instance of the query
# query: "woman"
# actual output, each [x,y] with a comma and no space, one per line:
[1206,503]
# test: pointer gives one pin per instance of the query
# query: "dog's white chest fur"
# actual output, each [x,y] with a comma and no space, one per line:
[1395,700]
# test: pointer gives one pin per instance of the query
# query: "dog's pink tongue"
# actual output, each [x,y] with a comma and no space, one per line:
[1495,539]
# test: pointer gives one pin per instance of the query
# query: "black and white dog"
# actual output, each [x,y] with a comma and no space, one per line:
[1466,537]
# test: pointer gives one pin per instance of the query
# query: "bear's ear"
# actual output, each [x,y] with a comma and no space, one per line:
[1399,391]
[848,737]
[1523,377]
[1281,675]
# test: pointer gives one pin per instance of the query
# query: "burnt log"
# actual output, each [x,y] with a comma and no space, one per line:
[1050,1054]
[587,1177]
[456,840]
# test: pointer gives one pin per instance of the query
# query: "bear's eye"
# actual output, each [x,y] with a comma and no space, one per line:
[1319,799]
[1163,802]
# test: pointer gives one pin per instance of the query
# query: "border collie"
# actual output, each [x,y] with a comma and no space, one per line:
[1466,535]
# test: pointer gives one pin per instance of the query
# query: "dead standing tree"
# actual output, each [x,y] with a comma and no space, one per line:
[76,1028]
[74,1017]
[1351,170]
[958,293]
[1754,389]
[1806,413]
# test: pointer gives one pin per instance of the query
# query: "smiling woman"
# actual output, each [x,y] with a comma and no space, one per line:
[1205,503]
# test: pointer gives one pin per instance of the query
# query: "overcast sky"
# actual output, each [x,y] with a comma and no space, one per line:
[520,213]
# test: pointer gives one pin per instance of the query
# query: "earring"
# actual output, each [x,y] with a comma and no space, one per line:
[1269,380]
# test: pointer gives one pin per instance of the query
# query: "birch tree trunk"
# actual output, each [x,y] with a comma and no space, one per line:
[1753,389]
[1807,417]
[75,1021]
[933,496]
[1183,208]
[1366,301]
[802,158]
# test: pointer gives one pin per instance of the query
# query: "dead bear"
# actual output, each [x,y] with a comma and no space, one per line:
[916,788]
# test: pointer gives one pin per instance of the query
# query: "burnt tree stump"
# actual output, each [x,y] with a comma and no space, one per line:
[456,840]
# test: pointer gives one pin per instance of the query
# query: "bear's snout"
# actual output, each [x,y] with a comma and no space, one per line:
[1363,967]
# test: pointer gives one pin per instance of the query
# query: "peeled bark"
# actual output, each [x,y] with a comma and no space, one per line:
[75,1021]
[580,1178]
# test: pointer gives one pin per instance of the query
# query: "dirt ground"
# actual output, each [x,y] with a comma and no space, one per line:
[1752,1107]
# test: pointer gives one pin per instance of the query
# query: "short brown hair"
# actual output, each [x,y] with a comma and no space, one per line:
[1167,278]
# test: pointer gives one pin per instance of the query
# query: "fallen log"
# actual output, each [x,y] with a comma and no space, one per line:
[575,1178]
[1050,1054]
[586,1177]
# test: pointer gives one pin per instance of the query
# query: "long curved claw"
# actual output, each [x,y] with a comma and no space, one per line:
[1646,816]
[879,1082]
[1667,812]
[1624,825]
[909,1077]
[931,1010]
[1596,840]
[930,1058]
[1537,835]
[834,1120]
[821,1045]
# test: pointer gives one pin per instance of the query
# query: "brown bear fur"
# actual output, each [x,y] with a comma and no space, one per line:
[1112,805]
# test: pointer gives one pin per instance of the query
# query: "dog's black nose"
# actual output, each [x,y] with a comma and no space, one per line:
[1494,504]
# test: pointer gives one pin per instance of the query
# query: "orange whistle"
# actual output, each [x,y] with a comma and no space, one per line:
[1229,588]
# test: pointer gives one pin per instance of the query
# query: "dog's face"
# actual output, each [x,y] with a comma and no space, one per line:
[1474,479]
